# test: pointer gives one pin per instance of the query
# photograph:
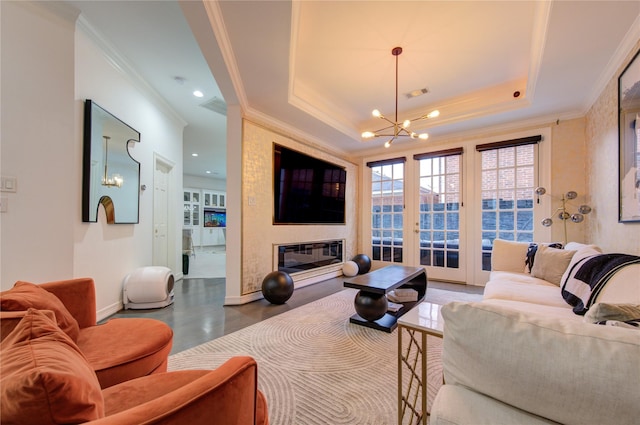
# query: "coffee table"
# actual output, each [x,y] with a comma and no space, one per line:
[371,301]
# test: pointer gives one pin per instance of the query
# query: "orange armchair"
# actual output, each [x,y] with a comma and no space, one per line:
[227,395]
[46,379]
[118,350]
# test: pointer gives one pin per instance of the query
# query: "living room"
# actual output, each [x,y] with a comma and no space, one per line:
[52,61]
[582,152]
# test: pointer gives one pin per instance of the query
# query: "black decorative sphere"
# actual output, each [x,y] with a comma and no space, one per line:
[363,262]
[369,306]
[277,287]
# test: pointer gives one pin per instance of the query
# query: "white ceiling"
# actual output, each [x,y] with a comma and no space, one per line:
[318,68]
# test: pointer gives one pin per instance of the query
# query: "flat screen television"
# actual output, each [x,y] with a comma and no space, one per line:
[214,217]
[306,190]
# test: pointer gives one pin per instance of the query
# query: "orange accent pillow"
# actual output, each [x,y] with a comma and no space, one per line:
[25,295]
[44,378]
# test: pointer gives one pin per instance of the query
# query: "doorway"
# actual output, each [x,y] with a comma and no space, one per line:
[416,214]
[163,222]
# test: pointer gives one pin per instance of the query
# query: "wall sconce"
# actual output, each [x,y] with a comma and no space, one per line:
[116,180]
[561,211]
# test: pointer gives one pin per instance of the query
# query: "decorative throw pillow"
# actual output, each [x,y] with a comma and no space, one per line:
[583,252]
[551,263]
[26,295]
[508,256]
[44,378]
[531,254]
[600,312]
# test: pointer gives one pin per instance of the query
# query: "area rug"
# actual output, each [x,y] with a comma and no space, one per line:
[315,367]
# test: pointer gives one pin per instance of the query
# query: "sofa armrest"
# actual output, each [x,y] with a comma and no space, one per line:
[228,394]
[566,371]
[623,287]
[78,296]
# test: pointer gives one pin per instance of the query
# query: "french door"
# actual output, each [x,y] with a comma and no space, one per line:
[442,210]
[418,221]
[438,217]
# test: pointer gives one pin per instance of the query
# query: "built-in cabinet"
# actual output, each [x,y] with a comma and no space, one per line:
[197,203]
[214,199]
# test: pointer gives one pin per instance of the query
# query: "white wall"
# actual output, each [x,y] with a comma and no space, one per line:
[124,246]
[39,143]
[43,236]
[198,182]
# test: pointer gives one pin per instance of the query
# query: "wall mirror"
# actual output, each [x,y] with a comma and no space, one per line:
[111,177]
[629,149]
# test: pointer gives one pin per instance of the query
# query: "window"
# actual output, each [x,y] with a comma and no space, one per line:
[387,210]
[507,185]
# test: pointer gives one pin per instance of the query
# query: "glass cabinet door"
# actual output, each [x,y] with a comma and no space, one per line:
[196,215]
[221,200]
[187,196]
[207,200]
[187,214]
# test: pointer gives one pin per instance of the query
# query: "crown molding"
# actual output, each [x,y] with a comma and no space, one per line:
[616,63]
[122,65]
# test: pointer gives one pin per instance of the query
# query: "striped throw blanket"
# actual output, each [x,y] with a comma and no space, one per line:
[589,276]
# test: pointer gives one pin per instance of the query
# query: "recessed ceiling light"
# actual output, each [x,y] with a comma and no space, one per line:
[198,93]
[194,154]
[208,172]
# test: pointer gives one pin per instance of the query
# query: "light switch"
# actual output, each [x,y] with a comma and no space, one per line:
[9,184]
[252,201]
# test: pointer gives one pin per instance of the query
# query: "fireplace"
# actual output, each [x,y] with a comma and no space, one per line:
[310,259]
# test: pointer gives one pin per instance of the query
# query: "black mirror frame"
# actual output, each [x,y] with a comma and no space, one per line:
[104,200]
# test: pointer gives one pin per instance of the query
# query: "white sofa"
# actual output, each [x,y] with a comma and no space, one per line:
[522,356]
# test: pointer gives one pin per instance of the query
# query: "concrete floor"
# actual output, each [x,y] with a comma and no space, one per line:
[198,313]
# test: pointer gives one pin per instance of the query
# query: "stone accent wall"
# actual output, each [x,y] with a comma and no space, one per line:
[259,235]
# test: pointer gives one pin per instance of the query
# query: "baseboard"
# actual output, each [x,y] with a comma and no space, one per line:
[103,313]
[243,299]
[254,296]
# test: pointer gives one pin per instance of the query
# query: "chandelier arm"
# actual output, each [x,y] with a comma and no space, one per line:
[387,120]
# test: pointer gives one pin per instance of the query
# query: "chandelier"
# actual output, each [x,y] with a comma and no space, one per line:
[115,180]
[397,129]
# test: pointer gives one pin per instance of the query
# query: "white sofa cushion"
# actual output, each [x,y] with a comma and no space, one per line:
[508,256]
[517,291]
[559,312]
[563,370]
[458,405]
[518,278]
